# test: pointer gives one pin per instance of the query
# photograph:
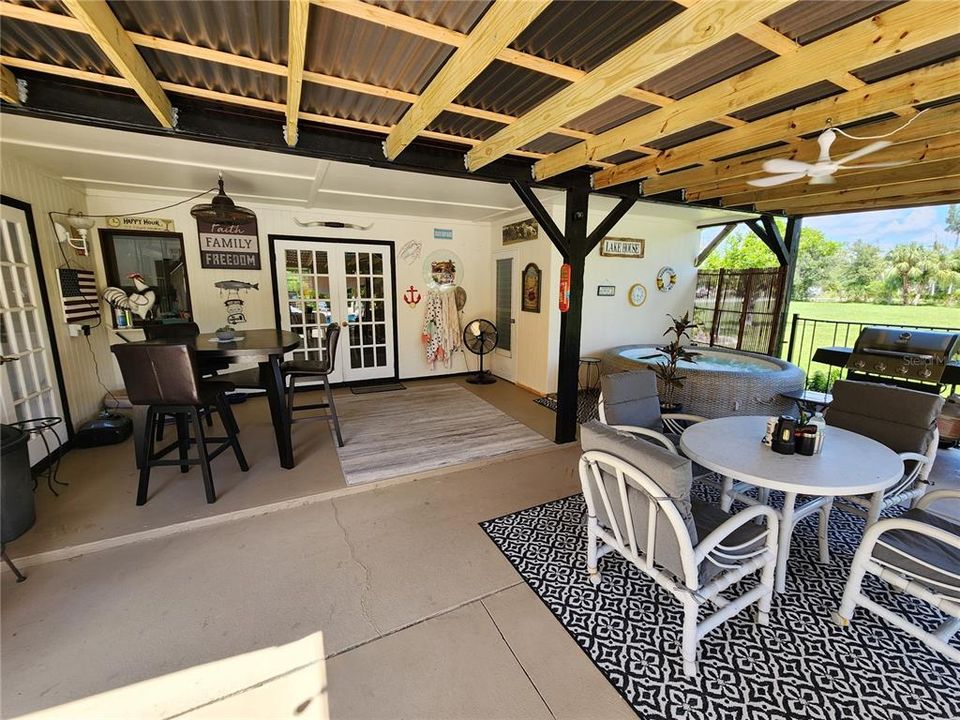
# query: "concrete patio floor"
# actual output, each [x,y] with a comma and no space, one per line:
[419,614]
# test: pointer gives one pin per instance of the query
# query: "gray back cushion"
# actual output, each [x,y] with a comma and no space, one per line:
[630,398]
[903,420]
[670,472]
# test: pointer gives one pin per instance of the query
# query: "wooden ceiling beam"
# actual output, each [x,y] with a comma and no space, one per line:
[877,38]
[8,86]
[700,27]
[936,121]
[298,19]
[240,100]
[945,167]
[896,203]
[949,183]
[498,27]
[927,84]
[66,22]
[109,35]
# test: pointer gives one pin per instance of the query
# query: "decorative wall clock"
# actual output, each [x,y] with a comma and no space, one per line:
[637,295]
[666,278]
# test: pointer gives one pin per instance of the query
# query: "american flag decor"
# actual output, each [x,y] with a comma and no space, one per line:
[78,288]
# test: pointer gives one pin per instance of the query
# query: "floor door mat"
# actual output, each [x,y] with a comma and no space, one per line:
[587,401]
[801,666]
[370,389]
[425,428]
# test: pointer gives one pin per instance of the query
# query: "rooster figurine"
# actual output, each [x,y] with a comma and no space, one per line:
[140,302]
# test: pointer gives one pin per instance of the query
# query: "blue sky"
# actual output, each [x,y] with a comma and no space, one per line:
[887,228]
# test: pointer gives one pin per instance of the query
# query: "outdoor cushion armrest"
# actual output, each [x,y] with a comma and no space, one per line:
[653,434]
[716,538]
[932,497]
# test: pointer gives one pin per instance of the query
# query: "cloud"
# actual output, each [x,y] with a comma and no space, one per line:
[885,228]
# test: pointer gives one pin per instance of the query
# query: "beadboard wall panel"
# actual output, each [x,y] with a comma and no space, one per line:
[25,182]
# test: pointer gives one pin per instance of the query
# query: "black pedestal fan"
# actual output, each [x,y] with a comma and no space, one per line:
[480,338]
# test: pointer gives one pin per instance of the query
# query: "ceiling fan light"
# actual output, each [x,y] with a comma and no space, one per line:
[823,180]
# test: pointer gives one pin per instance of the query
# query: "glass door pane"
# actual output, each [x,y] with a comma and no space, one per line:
[367,352]
[504,311]
[310,305]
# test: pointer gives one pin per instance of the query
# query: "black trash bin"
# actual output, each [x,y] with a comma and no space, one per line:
[17,511]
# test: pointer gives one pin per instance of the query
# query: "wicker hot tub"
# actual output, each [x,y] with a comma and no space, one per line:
[722,382]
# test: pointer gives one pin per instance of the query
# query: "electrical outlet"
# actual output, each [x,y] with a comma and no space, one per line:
[75,330]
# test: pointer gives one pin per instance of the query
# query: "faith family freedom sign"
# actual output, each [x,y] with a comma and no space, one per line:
[229,246]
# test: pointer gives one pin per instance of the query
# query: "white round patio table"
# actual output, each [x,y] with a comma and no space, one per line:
[850,464]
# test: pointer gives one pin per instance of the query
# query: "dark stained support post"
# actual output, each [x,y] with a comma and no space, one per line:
[575,233]
[791,243]
[540,214]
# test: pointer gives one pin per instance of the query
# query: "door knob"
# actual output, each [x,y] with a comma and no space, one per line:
[345,323]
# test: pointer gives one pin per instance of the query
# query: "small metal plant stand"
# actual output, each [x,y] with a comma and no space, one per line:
[39,427]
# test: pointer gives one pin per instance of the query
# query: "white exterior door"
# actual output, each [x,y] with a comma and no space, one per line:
[506,284]
[348,283]
[28,381]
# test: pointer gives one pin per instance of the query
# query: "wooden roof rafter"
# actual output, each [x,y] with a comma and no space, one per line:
[298,19]
[705,24]
[877,38]
[9,91]
[103,26]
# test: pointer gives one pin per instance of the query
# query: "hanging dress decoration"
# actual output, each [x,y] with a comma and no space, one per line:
[441,325]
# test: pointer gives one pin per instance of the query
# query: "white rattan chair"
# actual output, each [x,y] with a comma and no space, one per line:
[917,553]
[639,505]
[903,420]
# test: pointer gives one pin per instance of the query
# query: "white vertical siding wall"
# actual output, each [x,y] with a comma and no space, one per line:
[25,182]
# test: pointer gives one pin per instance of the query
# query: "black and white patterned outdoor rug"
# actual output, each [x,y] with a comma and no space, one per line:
[800,666]
[587,401]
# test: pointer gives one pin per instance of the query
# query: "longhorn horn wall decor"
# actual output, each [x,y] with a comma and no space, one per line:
[332,224]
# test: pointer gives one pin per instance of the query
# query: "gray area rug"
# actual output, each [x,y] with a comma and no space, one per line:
[424,428]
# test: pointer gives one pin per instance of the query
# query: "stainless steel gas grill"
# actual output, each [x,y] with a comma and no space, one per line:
[910,358]
[912,354]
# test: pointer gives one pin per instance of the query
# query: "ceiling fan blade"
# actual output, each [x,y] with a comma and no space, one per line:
[775,179]
[865,150]
[875,165]
[783,165]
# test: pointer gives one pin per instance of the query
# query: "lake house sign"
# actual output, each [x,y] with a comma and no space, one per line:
[622,247]
[229,246]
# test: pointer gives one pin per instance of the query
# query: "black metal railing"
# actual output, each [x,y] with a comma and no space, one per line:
[808,334]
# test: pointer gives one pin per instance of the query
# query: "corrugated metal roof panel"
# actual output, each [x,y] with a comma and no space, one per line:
[54,46]
[53,6]
[253,28]
[350,105]
[723,60]
[550,143]
[624,157]
[911,60]
[215,76]
[610,114]
[789,100]
[509,89]
[585,34]
[688,135]
[461,15]
[464,125]
[811,20]
[346,47]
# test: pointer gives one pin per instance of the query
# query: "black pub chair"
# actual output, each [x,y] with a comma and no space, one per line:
[164,377]
[294,369]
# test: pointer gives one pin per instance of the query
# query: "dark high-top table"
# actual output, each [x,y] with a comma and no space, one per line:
[265,347]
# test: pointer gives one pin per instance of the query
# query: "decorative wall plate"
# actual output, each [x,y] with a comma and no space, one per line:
[637,295]
[666,278]
[443,268]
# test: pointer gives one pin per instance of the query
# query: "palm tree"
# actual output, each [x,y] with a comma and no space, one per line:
[908,263]
[940,269]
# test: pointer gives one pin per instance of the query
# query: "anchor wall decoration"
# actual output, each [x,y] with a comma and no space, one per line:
[412,297]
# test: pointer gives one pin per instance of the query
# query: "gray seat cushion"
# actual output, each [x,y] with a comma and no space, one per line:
[903,420]
[708,518]
[670,472]
[630,398]
[697,469]
[929,550]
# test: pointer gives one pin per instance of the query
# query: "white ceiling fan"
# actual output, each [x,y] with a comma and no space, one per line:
[822,171]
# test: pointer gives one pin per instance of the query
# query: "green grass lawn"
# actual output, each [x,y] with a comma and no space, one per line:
[822,335]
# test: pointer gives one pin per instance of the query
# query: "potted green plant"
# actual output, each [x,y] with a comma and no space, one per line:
[226,333]
[668,370]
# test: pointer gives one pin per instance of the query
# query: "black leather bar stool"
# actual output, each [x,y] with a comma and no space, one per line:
[294,369]
[164,377]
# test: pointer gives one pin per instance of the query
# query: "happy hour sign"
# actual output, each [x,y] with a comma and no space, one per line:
[229,246]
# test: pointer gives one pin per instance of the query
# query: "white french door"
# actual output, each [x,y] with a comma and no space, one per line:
[348,283]
[505,279]
[28,381]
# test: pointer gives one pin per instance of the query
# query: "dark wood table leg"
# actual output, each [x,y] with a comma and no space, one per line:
[272,380]
[138,414]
